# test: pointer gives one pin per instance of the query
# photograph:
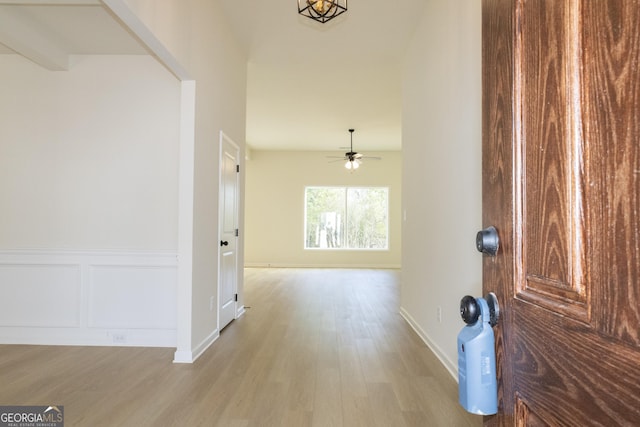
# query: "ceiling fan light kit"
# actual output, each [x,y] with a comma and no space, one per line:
[353,158]
[322,10]
[352,164]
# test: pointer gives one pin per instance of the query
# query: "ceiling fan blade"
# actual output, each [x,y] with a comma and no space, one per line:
[371,157]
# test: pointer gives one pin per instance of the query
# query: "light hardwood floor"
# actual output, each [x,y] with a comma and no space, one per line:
[317,347]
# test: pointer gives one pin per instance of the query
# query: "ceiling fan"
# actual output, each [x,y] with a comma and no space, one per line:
[353,158]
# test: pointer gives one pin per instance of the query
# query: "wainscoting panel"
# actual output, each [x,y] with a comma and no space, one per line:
[88,298]
[132,297]
[40,295]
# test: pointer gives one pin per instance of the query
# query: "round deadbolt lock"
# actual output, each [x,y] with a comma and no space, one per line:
[487,241]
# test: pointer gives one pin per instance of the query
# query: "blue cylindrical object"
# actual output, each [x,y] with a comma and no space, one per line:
[477,383]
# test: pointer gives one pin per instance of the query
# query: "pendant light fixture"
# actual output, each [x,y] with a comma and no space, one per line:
[321,10]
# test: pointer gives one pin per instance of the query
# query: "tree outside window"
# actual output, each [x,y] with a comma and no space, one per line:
[346,218]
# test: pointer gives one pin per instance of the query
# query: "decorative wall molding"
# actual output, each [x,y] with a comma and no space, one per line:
[70,297]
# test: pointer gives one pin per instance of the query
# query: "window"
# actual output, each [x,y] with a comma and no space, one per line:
[346,218]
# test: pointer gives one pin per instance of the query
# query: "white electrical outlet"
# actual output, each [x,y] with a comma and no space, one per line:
[439,314]
[119,338]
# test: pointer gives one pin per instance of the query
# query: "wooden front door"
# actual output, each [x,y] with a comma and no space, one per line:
[561,183]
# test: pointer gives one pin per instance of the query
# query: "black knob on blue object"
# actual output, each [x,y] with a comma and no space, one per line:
[469,310]
[477,378]
[487,241]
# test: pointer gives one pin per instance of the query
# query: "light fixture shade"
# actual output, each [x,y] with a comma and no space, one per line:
[352,164]
[322,10]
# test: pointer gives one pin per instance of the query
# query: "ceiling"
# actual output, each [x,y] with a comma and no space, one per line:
[308,82]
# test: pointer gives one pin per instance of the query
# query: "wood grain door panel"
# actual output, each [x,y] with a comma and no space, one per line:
[561,183]
[549,157]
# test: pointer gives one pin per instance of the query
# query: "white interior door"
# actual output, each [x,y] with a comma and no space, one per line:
[228,231]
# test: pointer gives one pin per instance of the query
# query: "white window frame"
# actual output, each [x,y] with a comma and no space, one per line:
[346,190]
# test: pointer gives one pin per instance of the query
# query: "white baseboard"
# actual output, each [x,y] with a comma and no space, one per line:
[205,344]
[240,311]
[186,356]
[106,298]
[183,356]
[448,364]
[291,265]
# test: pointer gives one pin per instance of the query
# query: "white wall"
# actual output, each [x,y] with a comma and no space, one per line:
[108,188]
[442,171]
[89,155]
[89,190]
[196,34]
[275,183]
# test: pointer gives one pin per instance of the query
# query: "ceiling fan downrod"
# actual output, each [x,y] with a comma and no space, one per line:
[351,149]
